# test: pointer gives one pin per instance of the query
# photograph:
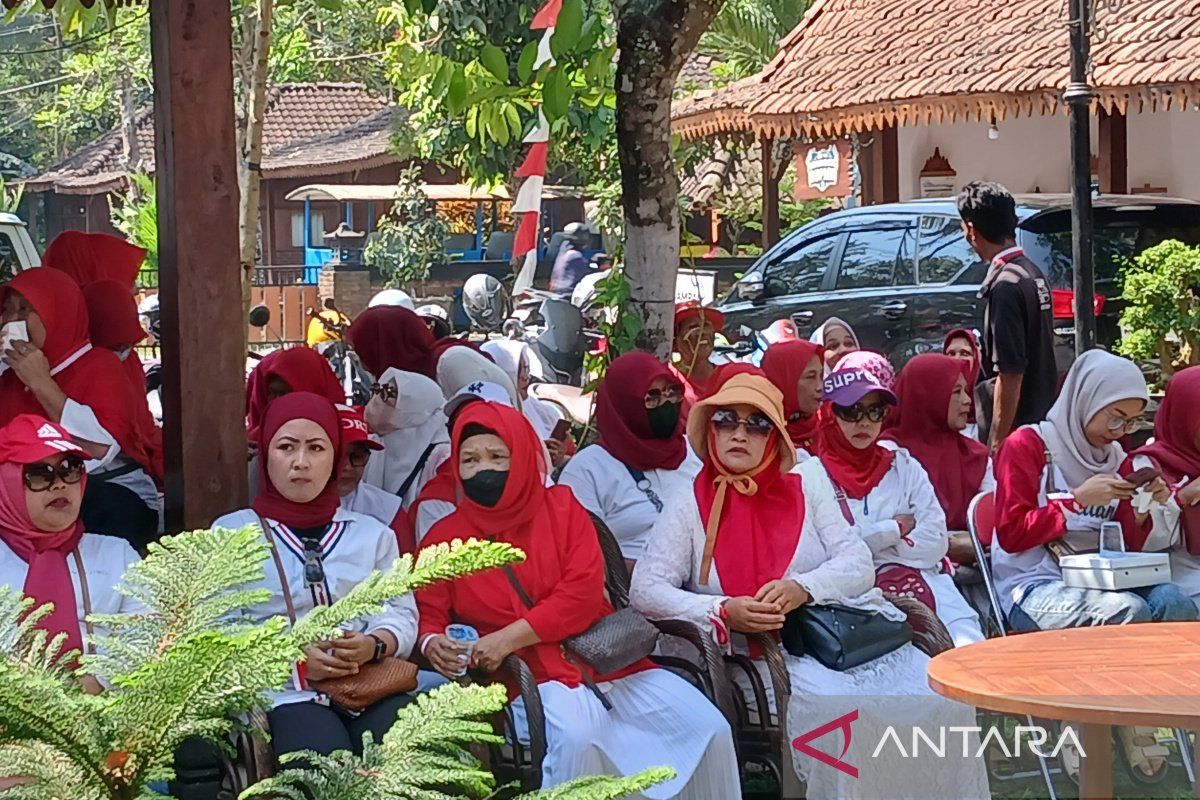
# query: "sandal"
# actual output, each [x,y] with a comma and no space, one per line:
[1146,758]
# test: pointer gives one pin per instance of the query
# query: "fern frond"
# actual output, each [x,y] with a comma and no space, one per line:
[603,787]
[436,563]
[45,768]
[187,583]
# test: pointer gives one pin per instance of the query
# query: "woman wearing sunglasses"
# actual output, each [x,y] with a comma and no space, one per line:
[405,414]
[641,456]
[654,717]
[797,368]
[43,547]
[323,551]
[1176,454]
[751,541]
[887,498]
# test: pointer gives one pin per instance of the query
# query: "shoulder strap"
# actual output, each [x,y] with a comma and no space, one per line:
[283,581]
[87,597]
[511,574]
[412,476]
[843,503]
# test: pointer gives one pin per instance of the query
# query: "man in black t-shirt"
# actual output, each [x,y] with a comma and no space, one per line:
[1018,326]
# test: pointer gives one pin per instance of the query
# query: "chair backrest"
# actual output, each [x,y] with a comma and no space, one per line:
[981,516]
[616,572]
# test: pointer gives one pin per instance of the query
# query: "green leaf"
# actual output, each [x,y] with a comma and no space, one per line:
[457,93]
[330,5]
[494,61]
[472,121]
[514,120]
[569,28]
[556,95]
[498,127]
[526,61]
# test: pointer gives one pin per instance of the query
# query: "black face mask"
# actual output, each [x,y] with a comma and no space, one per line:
[663,420]
[486,486]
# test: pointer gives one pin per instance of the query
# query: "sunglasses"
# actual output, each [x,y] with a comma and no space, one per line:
[314,568]
[40,477]
[358,456]
[857,412]
[758,425]
[657,397]
[386,390]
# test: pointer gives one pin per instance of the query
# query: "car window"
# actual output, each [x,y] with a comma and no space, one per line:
[874,258]
[801,270]
[943,255]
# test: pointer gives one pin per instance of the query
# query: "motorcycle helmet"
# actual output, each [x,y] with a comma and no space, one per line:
[392,297]
[578,234]
[437,318]
[485,301]
[151,320]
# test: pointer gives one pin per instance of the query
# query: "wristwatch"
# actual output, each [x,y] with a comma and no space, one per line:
[380,648]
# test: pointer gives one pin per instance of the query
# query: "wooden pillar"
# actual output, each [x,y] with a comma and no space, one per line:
[200,280]
[1114,153]
[879,165]
[770,188]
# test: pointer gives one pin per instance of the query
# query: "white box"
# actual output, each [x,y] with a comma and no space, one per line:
[1115,572]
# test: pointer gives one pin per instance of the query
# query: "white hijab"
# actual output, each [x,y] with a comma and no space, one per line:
[408,429]
[818,336]
[509,355]
[1096,380]
[462,366]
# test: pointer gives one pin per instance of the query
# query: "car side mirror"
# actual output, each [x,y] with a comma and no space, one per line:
[751,287]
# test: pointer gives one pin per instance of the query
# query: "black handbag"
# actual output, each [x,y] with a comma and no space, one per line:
[840,637]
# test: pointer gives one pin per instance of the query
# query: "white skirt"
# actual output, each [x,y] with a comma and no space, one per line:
[953,609]
[658,719]
[859,707]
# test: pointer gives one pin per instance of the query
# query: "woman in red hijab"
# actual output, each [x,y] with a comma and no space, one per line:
[391,336]
[963,345]
[797,368]
[1176,454]
[57,373]
[323,552]
[43,547]
[753,540]
[655,717]
[642,454]
[296,369]
[888,499]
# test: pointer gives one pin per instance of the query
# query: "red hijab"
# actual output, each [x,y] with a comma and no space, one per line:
[23,441]
[1176,427]
[622,419]
[525,491]
[301,368]
[760,512]
[784,363]
[972,371]
[391,336]
[956,464]
[270,502]
[90,257]
[90,376]
[856,471]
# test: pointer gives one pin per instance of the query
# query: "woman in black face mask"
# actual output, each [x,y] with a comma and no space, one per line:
[641,455]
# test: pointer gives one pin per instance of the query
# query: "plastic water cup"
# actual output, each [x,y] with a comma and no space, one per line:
[465,636]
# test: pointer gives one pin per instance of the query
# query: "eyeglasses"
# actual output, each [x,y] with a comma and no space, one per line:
[358,456]
[856,413]
[40,477]
[656,397]
[1123,424]
[314,568]
[385,390]
[726,420]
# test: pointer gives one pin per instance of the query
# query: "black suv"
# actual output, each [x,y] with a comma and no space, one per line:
[903,275]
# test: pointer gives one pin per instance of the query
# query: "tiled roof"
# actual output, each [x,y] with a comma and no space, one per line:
[733,173]
[860,64]
[309,129]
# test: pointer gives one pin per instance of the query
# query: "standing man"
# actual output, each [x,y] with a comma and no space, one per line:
[570,266]
[1018,332]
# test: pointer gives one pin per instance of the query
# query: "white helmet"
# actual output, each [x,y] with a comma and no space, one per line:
[435,311]
[392,297]
[485,301]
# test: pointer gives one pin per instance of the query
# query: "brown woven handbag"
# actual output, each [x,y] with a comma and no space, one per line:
[375,680]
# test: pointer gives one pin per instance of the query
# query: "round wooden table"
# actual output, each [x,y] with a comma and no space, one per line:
[1117,675]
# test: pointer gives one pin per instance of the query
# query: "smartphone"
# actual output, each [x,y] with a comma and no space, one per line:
[1141,477]
[561,429]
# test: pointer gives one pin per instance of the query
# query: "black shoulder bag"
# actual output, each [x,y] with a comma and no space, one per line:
[840,637]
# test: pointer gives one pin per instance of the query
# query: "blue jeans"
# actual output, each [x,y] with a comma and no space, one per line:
[1052,605]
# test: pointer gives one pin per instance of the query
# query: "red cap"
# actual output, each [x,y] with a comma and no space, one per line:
[692,309]
[354,428]
[29,438]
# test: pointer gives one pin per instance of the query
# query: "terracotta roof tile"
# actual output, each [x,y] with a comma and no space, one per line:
[850,61]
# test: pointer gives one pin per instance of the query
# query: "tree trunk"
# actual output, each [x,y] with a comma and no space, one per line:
[249,170]
[655,37]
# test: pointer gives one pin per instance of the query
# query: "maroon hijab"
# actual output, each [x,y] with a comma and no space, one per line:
[621,415]
[784,363]
[973,372]
[270,502]
[1176,427]
[391,336]
[301,368]
[955,464]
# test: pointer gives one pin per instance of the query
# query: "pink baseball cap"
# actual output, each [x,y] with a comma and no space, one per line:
[29,438]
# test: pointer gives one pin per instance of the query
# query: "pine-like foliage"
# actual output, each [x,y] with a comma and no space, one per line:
[184,666]
[424,757]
